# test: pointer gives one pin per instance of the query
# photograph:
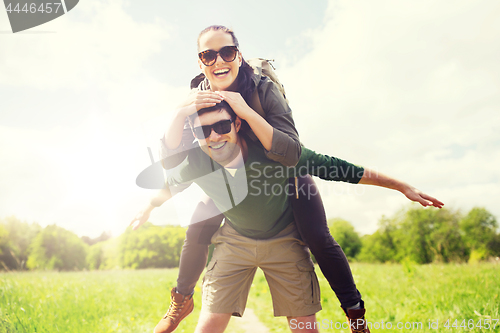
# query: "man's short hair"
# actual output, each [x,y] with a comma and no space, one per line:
[218,107]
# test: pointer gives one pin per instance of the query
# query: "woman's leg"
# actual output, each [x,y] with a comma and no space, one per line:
[311,222]
[205,221]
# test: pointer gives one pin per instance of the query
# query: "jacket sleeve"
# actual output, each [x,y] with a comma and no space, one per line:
[177,155]
[286,147]
[171,158]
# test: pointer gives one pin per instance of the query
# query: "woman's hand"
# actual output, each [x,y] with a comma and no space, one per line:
[196,100]
[200,99]
[238,104]
[259,125]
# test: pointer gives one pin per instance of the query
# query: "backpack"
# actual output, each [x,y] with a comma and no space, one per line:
[265,67]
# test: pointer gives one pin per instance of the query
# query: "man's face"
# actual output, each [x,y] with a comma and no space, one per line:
[222,148]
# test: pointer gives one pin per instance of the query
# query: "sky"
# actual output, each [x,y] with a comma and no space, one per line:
[410,89]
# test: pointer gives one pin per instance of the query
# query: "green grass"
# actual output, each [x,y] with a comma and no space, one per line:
[97,301]
[134,301]
[406,294]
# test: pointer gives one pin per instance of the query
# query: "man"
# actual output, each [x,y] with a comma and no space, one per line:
[259,231]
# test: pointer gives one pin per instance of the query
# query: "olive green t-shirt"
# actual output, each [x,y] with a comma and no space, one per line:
[254,197]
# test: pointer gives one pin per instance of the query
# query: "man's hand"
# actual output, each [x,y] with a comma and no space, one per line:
[141,217]
[425,200]
[371,177]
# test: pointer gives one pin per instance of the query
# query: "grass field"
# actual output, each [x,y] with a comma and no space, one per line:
[133,301]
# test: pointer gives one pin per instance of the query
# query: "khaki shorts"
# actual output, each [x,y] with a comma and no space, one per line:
[285,261]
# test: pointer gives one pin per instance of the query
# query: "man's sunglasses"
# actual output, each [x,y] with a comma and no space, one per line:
[227,53]
[220,127]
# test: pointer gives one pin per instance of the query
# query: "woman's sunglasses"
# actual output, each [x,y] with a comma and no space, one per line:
[227,53]
[220,127]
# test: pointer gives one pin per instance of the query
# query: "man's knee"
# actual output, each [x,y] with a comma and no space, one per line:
[212,322]
[305,324]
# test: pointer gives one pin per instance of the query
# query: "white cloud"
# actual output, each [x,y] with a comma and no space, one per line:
[410,89]
[98,44]
[80,172]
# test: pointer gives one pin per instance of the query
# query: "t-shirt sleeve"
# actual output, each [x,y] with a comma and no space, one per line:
[179,177]
[327,167]
[193,169]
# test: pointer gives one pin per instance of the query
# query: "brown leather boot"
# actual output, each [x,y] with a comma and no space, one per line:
[180,307]
[356,320]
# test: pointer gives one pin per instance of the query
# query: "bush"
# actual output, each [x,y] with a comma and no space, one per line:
[479,228]
[57,248]
[95,256]
[14,245]
[343,232]
[418,235]
[151,247]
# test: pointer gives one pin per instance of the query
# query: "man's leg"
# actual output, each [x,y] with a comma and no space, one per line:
[289,272]
[306,324]
[212,322]
[229,274]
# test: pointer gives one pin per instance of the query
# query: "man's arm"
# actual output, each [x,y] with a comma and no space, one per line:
[332,168]
[371,177]
[159,199]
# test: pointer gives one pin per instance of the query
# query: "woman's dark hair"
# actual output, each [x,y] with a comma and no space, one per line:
[245,83]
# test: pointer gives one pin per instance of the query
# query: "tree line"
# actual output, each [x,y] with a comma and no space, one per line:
[25,246]
[424,236]
[416,234]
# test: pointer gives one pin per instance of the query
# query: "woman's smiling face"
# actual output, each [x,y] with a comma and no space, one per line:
[222,75]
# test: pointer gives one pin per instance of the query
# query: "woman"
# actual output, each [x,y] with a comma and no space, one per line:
[227,76]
